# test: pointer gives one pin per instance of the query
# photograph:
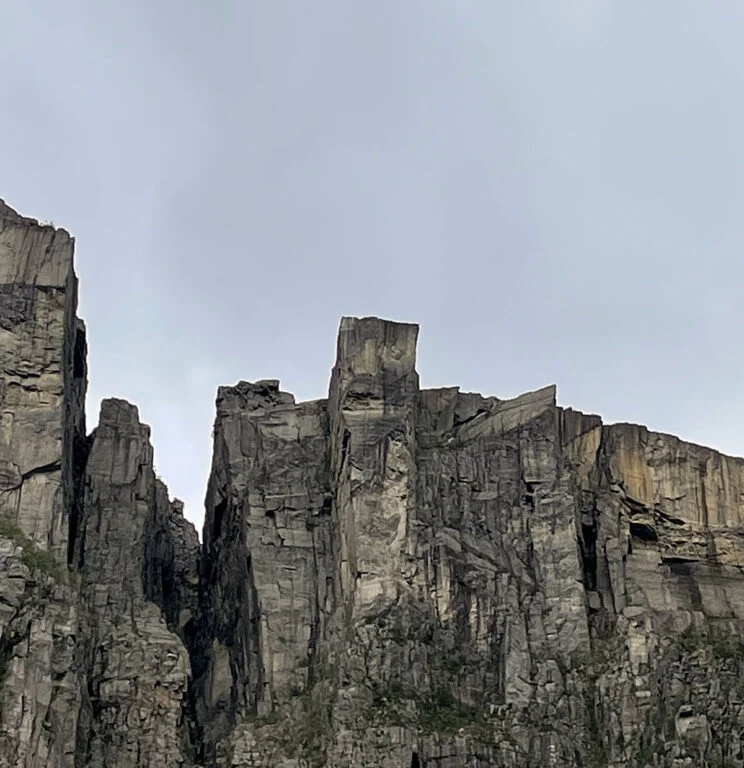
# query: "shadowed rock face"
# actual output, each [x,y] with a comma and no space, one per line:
[393,576]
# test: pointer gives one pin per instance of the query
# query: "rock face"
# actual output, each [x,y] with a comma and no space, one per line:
[400,577]
[42,428]
[391,577]
[42,379]
[98,570]
[137,669]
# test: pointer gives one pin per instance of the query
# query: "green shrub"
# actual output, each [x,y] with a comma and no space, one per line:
[722,641]
[301,732]
[34,558]
[436,711]
[440,712]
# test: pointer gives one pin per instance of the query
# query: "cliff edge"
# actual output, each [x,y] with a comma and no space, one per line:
[389,577]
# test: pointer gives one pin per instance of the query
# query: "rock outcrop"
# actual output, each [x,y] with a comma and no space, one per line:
[98,570]
[137,669]
[42,379]
[400,577]
[42,431]
[391,577]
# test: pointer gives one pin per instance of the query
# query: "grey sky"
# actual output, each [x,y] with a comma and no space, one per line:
[553,190]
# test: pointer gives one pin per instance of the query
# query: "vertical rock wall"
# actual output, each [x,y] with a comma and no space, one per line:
[136,669]
[439,578]
[268,581]
[374,388]
[42,378]
[42,425]
[95,561]
[390,577]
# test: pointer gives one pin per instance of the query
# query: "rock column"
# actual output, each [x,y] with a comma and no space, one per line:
[372,406]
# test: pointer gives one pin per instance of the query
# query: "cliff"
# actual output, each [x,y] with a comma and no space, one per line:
[392,577]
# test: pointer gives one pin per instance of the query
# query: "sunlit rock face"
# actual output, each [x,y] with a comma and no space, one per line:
[390,577]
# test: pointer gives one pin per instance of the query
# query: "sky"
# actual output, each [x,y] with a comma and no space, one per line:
[552,190]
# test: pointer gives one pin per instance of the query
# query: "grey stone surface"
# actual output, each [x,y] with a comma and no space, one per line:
[95,561]
[389,577]
[136,668]
[42,424]
[439,578]
[42,378]
[39,687]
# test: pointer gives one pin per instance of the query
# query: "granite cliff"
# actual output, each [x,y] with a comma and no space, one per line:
[392,577]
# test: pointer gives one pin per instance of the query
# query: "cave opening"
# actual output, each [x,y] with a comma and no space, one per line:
[643,532]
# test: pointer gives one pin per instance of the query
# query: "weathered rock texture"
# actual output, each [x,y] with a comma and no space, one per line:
[400,577]
[137,669]
[392,577]
[98,570]
[42,378]
[42,425]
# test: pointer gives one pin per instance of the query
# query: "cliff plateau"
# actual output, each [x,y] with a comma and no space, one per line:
[392,577]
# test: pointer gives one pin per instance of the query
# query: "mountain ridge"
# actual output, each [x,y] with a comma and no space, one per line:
[389,576]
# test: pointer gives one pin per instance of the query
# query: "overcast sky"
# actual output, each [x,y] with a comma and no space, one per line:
[553,190]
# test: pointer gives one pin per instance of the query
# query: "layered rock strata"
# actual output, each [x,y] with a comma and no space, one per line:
[391,577]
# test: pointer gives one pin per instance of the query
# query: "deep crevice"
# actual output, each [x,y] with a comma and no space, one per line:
[589,552]
[345,447]
[76,549]
[78,355]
